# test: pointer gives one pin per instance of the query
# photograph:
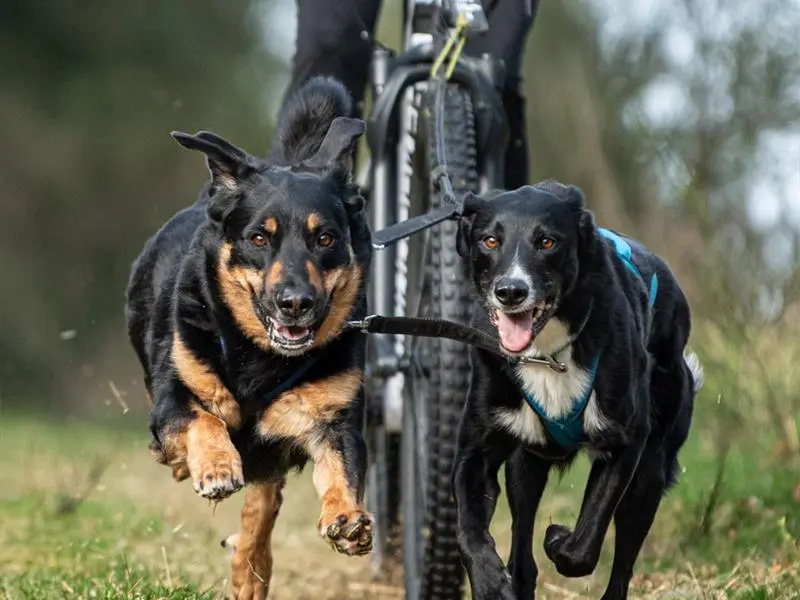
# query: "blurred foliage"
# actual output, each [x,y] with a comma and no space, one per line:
[90,92]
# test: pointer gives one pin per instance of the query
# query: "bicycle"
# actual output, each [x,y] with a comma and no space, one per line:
[448,120]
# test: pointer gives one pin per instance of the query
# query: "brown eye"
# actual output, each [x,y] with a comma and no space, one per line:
[258,240]
[547,243]
[325,240]
[490,242]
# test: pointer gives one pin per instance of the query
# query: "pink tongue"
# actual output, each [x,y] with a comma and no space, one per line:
[292,333]
[515,330]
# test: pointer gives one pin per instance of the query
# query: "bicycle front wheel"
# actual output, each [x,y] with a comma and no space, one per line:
[436,396]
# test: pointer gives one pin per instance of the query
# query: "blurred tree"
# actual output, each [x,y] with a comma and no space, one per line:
[681,122]
[90,92]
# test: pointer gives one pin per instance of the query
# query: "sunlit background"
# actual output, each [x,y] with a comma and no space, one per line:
[680,120]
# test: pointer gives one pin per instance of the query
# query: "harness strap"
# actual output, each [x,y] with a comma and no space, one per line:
[403,229]
[292,380]
[625,253]
[287,383]
[567,430]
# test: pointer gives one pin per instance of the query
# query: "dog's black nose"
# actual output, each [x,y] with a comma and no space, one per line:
[293,302]
[511,292]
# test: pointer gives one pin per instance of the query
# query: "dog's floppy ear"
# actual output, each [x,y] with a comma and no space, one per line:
[574,195]
[586,226]
[336,150]
[472,203]
[587,235]
[227,164]
[568,193]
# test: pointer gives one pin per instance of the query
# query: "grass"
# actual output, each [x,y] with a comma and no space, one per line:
[85,513]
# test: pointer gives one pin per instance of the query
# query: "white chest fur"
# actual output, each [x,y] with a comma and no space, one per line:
[555,392]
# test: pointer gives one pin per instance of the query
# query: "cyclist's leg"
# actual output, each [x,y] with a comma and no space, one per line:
[334,37]
[509,24]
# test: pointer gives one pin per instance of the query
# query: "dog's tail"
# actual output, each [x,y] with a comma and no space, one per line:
[695,368]
[306,118]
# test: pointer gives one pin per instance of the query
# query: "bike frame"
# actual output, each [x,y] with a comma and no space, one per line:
[391,137]
[397,83]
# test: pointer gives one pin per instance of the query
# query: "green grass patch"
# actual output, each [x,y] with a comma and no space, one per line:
[93,551]
[71,529]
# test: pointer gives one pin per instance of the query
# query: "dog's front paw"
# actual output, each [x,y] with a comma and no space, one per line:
[348,533]
[217,473]
[569,562]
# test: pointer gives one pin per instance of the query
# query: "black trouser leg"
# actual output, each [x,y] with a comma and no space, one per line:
[334,37]
[509,26]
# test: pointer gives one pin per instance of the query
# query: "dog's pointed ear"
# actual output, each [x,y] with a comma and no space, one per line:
[471,203]
[227,164]
[336,150]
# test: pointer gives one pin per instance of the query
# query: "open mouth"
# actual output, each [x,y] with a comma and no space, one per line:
[290,337]
[518,330]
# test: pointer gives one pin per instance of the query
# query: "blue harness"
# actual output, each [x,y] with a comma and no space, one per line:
[567,430]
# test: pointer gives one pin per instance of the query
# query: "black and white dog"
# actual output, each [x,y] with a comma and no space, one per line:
[553,284]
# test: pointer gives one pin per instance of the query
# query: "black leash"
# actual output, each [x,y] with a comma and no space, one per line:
[439,328]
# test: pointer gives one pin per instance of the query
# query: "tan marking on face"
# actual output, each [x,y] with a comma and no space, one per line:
[271,225]
[314,278]
[343,285]
[251,566]
[275,273]
[237,286]
[313,221]
[297,414]
[205,384]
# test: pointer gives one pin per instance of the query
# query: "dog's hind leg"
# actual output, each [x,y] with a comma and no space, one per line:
[251,567]
[656,472]
[633,518]
[526,478]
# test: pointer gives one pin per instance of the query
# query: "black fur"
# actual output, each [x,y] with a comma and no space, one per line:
[644,388]
[175,286]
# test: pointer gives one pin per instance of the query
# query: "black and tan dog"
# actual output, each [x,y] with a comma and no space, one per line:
[552,284]
[236,309]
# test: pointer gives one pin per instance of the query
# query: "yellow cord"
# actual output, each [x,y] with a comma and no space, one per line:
[459,38]
[452,67]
